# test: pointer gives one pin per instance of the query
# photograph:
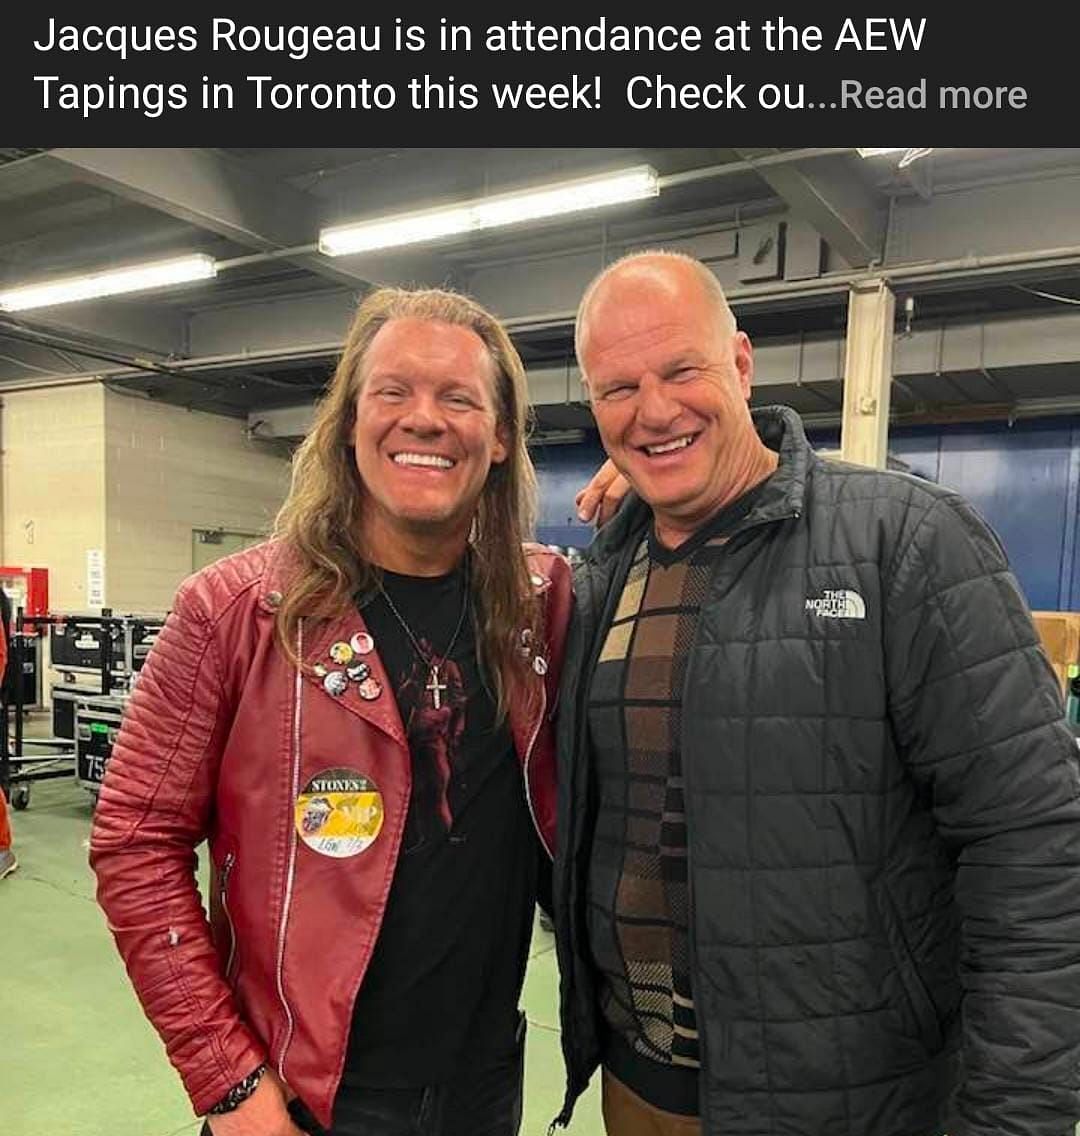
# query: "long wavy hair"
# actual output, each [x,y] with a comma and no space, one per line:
[321,517]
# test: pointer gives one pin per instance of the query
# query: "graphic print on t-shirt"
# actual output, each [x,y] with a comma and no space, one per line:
[435,740]
[457,746]
[441,990]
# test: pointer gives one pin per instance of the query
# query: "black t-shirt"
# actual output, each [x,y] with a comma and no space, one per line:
[443,984]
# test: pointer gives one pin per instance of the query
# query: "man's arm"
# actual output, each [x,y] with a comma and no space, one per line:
[153,811]
[599,501]
[978,717]
[264,1113]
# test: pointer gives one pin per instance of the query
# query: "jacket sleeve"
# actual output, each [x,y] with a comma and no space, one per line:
[153,811]
[978,716]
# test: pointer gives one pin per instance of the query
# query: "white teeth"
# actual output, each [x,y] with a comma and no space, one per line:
[667,447]
[423,459]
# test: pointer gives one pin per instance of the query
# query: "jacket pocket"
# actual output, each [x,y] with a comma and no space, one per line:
[919,1002]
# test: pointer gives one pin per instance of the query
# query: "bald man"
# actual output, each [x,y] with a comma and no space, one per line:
[819,810]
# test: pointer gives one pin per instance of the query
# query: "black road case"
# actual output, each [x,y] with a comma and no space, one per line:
[97,721]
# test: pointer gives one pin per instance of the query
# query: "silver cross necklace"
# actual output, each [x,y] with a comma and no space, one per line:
[432,662]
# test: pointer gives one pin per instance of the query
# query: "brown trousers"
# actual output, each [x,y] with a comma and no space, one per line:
[626,1114]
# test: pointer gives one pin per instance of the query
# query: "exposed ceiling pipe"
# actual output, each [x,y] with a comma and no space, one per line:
[126,364]
[751,165]
[944,415]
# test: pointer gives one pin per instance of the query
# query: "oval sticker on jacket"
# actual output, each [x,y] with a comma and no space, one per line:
[339,813]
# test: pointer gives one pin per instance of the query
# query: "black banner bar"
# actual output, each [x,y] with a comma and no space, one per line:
[382,80]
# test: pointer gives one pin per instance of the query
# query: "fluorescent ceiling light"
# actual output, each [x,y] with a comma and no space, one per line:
[910,153]
[573,197]
[489,212]
[113,282]
[913,155]
[404,229]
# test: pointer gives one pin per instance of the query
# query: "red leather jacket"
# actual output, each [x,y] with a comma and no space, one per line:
[219,740]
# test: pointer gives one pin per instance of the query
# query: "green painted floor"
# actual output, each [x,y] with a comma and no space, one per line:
[77,1058]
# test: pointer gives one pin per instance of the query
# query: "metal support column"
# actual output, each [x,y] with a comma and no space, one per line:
[864,437]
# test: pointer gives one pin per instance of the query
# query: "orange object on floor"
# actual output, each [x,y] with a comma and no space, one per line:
[5,825]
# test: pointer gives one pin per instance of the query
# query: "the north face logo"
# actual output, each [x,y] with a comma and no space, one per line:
[842,604]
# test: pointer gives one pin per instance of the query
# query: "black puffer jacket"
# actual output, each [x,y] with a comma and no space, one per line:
[883,816]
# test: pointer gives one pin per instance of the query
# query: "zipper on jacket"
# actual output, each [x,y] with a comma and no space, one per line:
[703,1064]
[226,871]
[761,522]
[525,767]
[597,613]
[291,872]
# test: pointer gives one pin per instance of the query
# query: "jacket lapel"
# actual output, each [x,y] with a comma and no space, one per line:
[321,638]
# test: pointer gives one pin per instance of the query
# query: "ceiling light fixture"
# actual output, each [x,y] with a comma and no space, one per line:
[910,154]
[491,212]
[113,282]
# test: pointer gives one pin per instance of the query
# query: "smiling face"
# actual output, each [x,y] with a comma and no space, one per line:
[669,379]
[426,432]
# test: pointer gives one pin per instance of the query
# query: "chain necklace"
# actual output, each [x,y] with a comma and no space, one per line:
[432,662]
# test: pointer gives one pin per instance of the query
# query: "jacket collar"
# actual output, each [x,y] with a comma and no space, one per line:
[279,570]
[781,429]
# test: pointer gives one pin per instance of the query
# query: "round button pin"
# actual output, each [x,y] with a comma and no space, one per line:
[336,683]
[341,653]
[320,670]
[369,689]
[339,813]
[358,672]
[362,643]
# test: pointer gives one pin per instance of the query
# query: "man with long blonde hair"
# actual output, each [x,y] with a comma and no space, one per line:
[356,715]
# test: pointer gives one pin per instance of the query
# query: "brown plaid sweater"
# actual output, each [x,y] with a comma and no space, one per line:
[639,902]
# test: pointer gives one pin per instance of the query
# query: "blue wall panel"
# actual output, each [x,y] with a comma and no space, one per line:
[920,452]
[1018,480]
[1070,563]
[561,471]
[1024,480]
